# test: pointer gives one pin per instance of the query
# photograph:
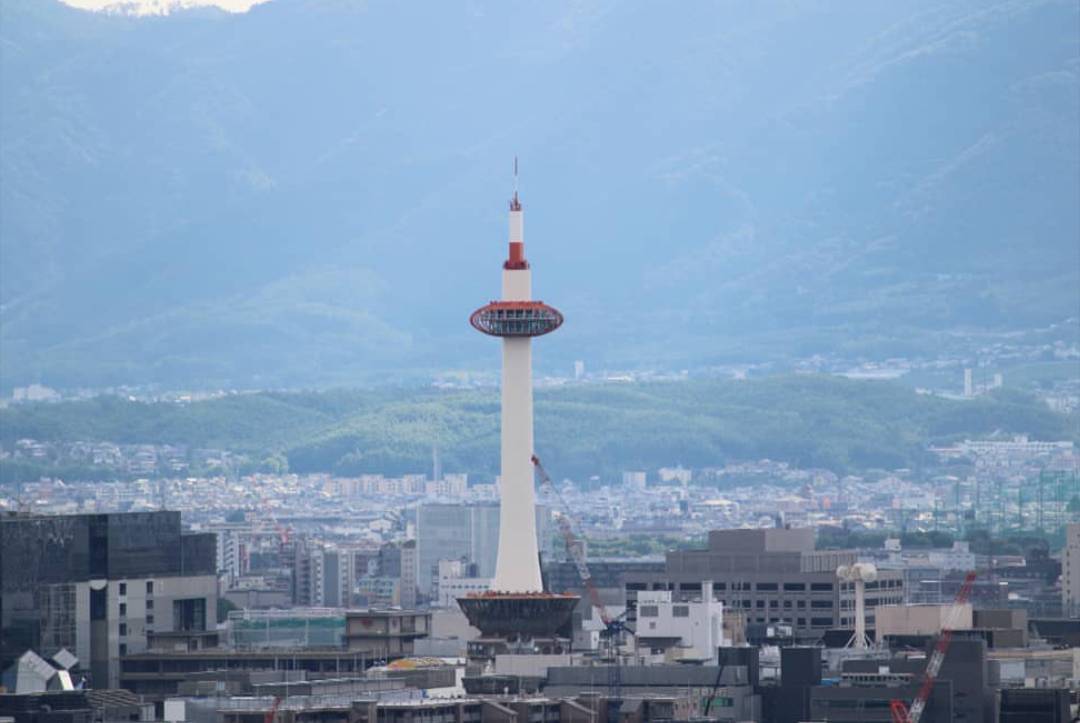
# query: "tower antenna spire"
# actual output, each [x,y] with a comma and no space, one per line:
[515,204]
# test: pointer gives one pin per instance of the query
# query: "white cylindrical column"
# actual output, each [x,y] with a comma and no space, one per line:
[517,568]
[860,613]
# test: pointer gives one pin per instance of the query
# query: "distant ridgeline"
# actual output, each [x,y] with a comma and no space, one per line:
[594,429]
[264,199]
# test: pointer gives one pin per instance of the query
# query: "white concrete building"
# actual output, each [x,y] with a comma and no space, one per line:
[453,581]
[919,619]
[1070,572]
[691,630]
[959,557]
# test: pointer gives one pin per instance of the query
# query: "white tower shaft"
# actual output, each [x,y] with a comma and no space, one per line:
[517,568]
[860,614]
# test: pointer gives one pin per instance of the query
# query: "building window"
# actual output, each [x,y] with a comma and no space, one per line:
[768,586]
[821,604]
[821,587]
[149,619]
[149,604]
[820,622]
[680,611]
[794,586]
[760,603]
[746,603]
[149,587]
[123,588]
[787,604]
[123,628]
[801,621]
[720,586]
[774,604]
[123,648]
[189,614]
[648,611]
[123,609]
[800,603]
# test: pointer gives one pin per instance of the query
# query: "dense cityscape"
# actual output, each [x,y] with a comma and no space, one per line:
[288,436]
[750,590]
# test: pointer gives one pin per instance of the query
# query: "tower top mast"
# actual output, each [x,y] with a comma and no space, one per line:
[515,204]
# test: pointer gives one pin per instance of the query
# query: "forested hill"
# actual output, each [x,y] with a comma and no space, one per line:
[581,431]
[313,193]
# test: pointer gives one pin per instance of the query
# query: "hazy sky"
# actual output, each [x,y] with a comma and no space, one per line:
[162,7]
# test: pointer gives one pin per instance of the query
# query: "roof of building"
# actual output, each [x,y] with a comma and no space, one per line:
[30,673]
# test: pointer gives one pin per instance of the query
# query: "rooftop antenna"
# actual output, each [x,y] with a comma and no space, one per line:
[515,205]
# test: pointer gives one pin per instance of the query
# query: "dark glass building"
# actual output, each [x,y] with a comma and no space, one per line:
[98,584]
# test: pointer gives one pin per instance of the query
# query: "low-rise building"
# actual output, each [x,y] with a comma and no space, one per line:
[690,630]
[771,575]
[386,634]
[897,620]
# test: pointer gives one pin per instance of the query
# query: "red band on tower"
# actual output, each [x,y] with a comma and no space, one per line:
[517,256]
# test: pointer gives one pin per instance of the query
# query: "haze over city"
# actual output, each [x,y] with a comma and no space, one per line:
[364,362]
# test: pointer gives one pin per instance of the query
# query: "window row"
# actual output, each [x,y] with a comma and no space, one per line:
[123,608]
[122,588]
[787,604]
[798,622]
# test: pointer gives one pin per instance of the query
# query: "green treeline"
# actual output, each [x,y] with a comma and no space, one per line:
[581,431]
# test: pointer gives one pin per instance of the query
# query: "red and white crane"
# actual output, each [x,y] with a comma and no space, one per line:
[900,712]
[575,550]
[614,627]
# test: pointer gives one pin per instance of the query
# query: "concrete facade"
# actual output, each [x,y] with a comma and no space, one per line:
[100,585]
[920,619]
[385,634]
[690,630]
[1070,572]
[771,576]
[962,691]
[465,532]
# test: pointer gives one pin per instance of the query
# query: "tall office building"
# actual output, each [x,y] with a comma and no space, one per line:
[233,558]
[1070,572]
[323,575]
[99,584]
[409,572]
[469,532]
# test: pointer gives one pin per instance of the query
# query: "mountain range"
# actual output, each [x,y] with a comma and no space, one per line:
[313,192]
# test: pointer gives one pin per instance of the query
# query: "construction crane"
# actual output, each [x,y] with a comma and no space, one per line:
[272,713]
[715,689]
[900,712]
[614,627]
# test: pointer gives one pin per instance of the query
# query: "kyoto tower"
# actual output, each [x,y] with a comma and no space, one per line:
[517,607]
